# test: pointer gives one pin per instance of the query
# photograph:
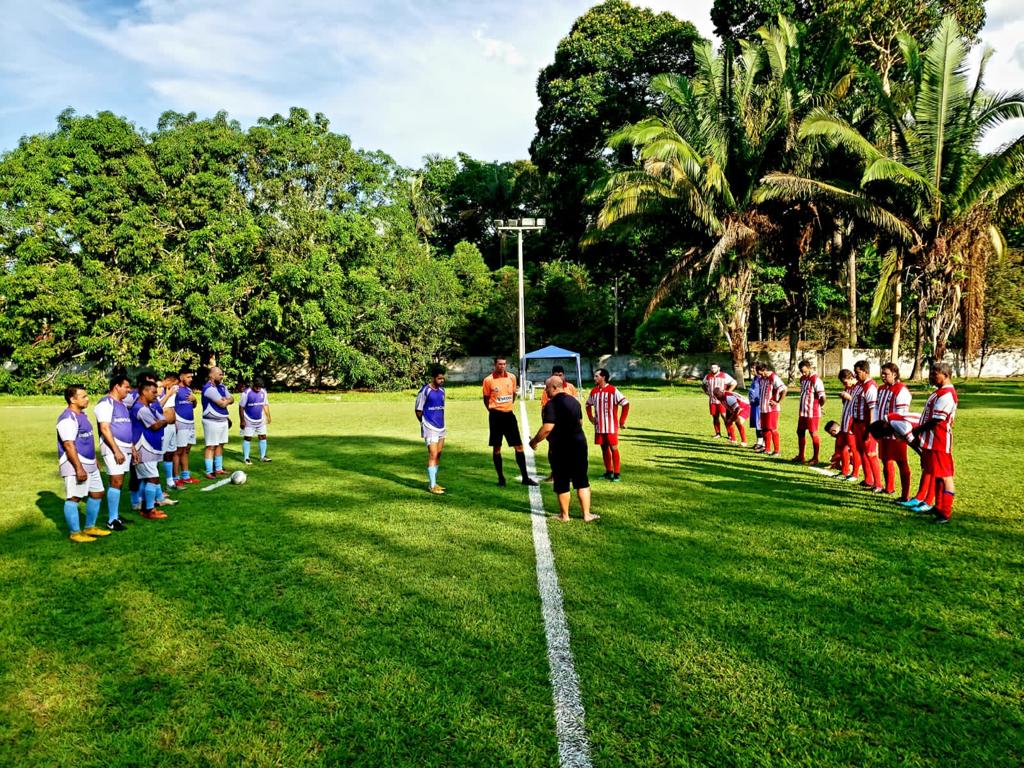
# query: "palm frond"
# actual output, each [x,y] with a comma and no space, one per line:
[998,175]
[885,291]
[838,132]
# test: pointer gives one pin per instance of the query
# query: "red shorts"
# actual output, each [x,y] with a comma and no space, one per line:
[769,421]
[890,449]
[936,463]
[717,409]
[743,412]
[810,423]
[606,438]
[865,442]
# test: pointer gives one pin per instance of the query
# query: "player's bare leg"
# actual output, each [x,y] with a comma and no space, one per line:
[584,497]
[433,462]
[563,507]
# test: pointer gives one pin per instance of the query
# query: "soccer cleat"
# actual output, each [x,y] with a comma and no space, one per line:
[137,507]
[852,479]
[797,460]
[718,435]
[759,449]
[616,478]
[501,482]
[878,490]
[437,489]
[925,509]
[95,531]
[166,503]
[940,519]
[247,461]
[81,538]
[744,445]
[179,485]
[910,503]
[443,489]
[608,475]
[529,481]
[117,524]
[266,459]
[153,514]
[732,441]
[220,472]
[210,476]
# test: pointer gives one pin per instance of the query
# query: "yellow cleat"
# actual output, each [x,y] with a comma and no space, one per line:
[80,537]
[436,489]
[441,487]
[94,531]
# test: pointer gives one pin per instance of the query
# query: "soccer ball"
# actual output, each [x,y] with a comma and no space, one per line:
[238,477]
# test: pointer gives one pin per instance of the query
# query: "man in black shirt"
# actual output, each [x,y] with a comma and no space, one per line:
[567,447]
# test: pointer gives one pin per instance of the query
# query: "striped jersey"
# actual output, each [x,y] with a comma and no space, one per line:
[812,396]
[865,399]
[846,418]
[941,405]
[736,403]
[720,380]
[771,389]
[893,399]
[603,403]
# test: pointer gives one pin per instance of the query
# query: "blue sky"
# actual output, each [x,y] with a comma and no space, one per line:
[407,77]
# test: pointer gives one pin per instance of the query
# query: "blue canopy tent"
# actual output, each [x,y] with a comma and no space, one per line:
[552,352]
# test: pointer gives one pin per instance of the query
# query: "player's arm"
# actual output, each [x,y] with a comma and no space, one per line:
[781,392]
[542,435]
[590,413]
[107,436]
[623,414]
[241,410]
[266,411]
[149,422]
[731,385]
[67,436]
[169,393]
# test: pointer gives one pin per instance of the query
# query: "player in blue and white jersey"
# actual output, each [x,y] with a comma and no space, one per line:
[430,412]
[115,427]
[215,422]
[254,416]
[166,395]
[148,428]
[76,461]
[185,423]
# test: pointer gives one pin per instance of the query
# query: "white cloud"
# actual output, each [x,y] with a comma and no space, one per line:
[497,49]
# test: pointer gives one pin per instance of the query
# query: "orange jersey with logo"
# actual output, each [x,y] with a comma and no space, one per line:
[569,389]
[500,391]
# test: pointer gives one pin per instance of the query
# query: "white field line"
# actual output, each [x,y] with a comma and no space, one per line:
[570,730]
[218,484]
[821,471]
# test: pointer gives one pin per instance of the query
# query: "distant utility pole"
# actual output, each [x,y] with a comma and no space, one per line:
[519,226]
[615,346]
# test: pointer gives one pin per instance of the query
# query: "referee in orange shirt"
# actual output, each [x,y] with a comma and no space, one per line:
[499,396]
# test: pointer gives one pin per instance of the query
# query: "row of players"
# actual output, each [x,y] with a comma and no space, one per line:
[142,428]
[872,435]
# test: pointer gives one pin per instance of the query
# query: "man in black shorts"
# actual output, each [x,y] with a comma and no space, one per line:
[567,447]
[499,393]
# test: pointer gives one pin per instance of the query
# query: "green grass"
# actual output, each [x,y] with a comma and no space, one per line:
[727,609]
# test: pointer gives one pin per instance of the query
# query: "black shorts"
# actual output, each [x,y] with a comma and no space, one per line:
[569,466]
[503,425]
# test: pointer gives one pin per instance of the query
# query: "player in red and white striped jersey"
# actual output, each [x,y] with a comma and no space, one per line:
[603,410]
[847,458]
[737,411]
[936,435]
[717,379]
[893,397]
[772,393]
[865,408]
[812,398]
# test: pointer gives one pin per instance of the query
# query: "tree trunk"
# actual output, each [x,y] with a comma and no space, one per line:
[897,310]
[851,272]
[918,339]
[794,345]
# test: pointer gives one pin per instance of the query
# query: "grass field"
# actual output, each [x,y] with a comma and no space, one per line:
[727,610]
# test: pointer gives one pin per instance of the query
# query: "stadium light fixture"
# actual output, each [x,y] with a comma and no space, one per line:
[519,226]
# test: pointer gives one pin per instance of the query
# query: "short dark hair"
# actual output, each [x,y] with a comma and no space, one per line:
[500,357]
[258,382]
[831,423]
[557,369]
[944,368]
[862,365]
[70,391]
[436,369]
[804,364]
[184,369]
[146,384]
[845,374]
[892,367]
[172,376]
[117,379]
[604,374]
[762,367]
[143,380]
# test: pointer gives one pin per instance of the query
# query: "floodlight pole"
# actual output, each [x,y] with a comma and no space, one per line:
[519,226]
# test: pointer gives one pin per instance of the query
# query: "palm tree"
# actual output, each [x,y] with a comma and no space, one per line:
[927,173]
[700,161]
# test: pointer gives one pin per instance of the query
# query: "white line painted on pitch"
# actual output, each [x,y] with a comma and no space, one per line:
[570,730]
[218,484]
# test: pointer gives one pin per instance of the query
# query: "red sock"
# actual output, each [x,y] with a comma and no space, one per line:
[732,431]
[801,439]
[743,433]
[606,454]
[615,458]
[937,488]
[718,426]
[778,446]
[924,490]
[944,503]
[890,476]
[876,472]
[816,442]
[904,480]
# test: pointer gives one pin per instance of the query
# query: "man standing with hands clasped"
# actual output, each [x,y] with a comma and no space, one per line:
[499,393]
[567,448]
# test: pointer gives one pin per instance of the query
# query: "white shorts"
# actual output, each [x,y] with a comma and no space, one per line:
[186,434]
[251,430]
[170,443]
[147,470]
[215,432]
[76,490]
[113,468]
[431,435]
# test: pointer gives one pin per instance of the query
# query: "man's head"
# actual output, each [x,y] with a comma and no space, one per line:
[120,386]
[890,373]
[170,379]
[436,372]
[147,392]
[862,370]
[75,397]
[500,365]
[715,369]
[216,375]
[719,394]
[558,370]
[554,385]
[832,427]
[764,370]
[143,379]
[185,376]
[257,383]
[940,374]
[602,377]
[846,378]
[805,367]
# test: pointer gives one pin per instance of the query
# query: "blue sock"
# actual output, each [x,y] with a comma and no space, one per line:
[218,463]
[169,471]
[432,475]
[92,511]
[246,447]
[263,449]
[136,497]
[149,492]
[71,515]
[185,474]
[209,466]
[159,492]
[113,500]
